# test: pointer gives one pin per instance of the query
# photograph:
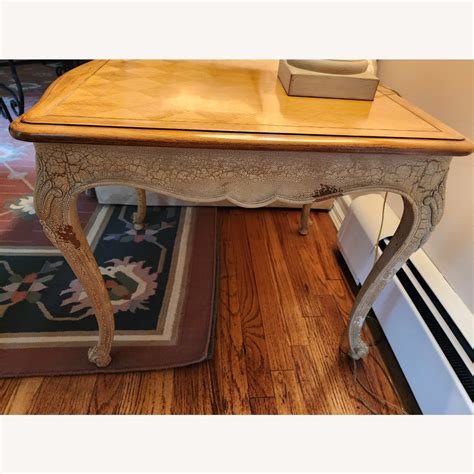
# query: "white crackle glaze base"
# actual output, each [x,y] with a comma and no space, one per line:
[246,178]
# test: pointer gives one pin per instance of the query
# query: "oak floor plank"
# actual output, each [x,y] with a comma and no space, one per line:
[79,394]
[263,406]
[287,297]
[229,361]
[128,401]
[153,393]
[288,395]
[326,247]
[8,389]
[328,305]
[342,295]
[21,400]
[195,391]
[317,399]
[159,392]
[107,394]
[278,341]
[306,264]
[60,395]
[133,395]
[256,356]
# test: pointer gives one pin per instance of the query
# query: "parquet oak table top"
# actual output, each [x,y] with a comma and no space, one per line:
[207,131]
[230,103]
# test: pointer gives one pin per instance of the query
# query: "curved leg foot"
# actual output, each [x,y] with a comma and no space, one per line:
[99,356]
[304,219]
[359,350]
[139,216]
[55,203]
[418,220]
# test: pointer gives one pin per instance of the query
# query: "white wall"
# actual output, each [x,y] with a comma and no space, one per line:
[444,89]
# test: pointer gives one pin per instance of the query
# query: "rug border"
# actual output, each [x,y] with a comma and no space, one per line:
[193,345]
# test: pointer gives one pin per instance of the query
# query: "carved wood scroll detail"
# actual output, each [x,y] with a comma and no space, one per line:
[246,178]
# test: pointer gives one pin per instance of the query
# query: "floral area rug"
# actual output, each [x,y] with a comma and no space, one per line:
[160,279]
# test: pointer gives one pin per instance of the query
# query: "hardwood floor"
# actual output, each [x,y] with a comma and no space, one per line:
[283,307]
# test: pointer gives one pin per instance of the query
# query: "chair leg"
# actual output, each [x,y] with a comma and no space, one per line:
[304,219]
[139,216]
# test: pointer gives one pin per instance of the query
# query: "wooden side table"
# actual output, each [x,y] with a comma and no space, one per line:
[205,131]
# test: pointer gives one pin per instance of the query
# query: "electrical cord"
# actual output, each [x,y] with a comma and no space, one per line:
[379,235]
[393,90]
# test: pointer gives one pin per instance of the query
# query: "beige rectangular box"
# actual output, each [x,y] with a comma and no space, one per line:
[305,83]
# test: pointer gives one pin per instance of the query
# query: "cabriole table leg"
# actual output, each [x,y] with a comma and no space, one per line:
[139,216]
[304,219]
[419,218]
[55,203]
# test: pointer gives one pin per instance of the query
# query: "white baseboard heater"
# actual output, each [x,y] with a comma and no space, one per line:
[427,325]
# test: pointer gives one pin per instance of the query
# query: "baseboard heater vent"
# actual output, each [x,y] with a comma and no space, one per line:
[426,323]
[431,310]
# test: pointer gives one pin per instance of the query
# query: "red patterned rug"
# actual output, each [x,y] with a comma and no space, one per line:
[160,279]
